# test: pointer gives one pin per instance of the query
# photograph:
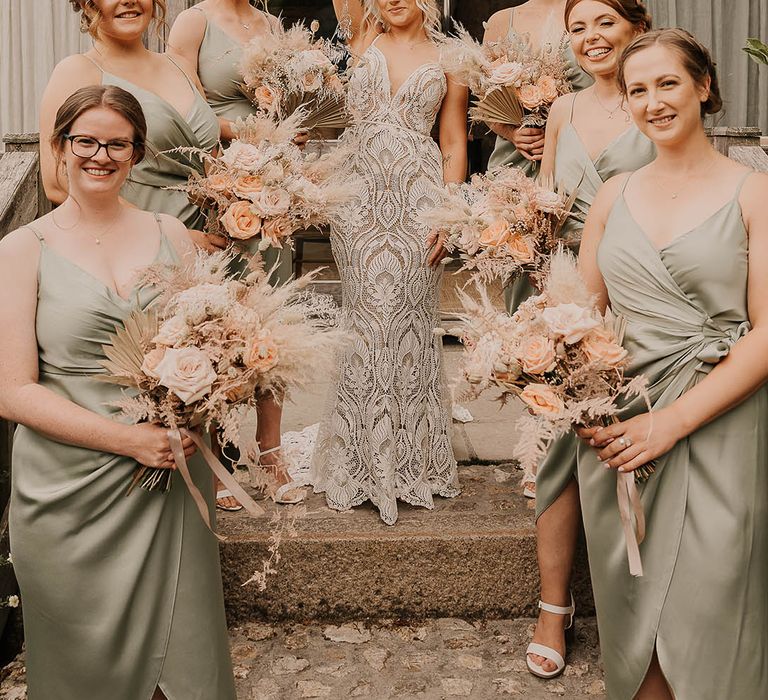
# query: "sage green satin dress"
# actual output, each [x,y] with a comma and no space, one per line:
[575,171]
[703,601]
[505,153]
[218,61]
[161,167]
[120,594]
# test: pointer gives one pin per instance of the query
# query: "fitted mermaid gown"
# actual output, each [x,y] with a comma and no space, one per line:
[387,432]
[120,594]
[702,600]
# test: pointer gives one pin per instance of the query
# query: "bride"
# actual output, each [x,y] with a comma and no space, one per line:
[387,433]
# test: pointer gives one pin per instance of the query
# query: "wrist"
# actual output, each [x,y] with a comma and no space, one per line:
[681,420]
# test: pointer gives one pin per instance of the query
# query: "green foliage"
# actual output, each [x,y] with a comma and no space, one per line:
[757,50]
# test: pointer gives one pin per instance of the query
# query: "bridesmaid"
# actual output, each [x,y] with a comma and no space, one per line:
[176,111]
[539,23]
[209,37]
[590,138]
[680,249]
[122,595]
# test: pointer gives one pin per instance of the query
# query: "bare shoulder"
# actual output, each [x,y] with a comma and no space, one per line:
[177,234]
[609,192]
[497,26]
[753,198]
[72,73]
[19,253]
[190,21]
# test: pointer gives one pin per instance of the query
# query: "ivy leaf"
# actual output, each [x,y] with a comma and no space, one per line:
[757,50]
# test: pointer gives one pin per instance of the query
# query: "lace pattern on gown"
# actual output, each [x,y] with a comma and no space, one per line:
[386,435]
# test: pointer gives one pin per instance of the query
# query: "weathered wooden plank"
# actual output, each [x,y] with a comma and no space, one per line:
[751,156]
[726,137]
[18,190]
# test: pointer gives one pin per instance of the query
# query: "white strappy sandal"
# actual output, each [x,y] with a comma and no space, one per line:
[547,652]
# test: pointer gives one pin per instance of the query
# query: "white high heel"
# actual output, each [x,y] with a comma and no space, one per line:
[547,652]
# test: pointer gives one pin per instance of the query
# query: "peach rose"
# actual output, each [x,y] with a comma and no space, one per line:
[496,234]
[151,360]
[311,82]
[187,372]
[530,96]
[275,230]
[537,355]
[521,249]
[248,186]
[548,87]
[273,201]
[173,331]
[335,84]
[600,346]
[570,321]
[543,400]
[265,97]
[261,353]
[240,222]
[219,182]
[241,391]
[506,73]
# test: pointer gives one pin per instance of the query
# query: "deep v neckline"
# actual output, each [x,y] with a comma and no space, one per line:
[393,96]
[112,293]
[659,251]
[605,150]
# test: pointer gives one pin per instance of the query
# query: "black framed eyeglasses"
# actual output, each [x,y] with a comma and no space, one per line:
[118,150]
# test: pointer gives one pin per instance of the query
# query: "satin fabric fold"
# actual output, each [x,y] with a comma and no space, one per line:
[701,602]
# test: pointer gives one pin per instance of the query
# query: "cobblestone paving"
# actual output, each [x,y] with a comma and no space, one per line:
[434,660]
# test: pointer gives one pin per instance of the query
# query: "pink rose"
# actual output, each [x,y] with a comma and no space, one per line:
[521,249]
[248,186]
[548,201]
[530,96]
[265,97]
[187,372]
[543,400]
[311,82]
[273,201]
[151,360]
[219,182]
[496,234]
[506,73]
[275,230]
[537,355]
[241,222]
[245,156]
[600,347]
[570,322]
[261,353]
[548,87]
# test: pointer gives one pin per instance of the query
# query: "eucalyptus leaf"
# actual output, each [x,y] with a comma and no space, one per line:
[757,50]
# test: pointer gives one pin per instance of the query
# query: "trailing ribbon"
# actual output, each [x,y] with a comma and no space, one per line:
[217,468]
[629,505]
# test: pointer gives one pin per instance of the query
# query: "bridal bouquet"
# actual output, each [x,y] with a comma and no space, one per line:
[263,186]
[208,345]
[286,70]
[565,362]
[501,224]
[513,85]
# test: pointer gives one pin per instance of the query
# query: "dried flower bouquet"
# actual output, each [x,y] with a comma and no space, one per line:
[513,84]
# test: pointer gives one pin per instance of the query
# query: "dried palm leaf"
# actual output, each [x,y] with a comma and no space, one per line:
[126,353]
[501,105]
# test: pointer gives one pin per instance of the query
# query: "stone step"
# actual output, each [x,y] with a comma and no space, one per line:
[472,557]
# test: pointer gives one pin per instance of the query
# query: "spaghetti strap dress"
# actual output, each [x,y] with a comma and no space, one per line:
[702,602]
[577,172]
[163,166]
[121,594]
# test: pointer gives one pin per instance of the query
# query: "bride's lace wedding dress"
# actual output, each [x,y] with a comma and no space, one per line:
[387,432]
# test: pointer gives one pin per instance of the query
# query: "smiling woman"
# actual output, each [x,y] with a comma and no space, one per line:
[176,111]
[137,610]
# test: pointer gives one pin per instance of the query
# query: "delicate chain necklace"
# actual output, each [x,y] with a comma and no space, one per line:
[96,238]
[613,111]
[254,17]
[689,178]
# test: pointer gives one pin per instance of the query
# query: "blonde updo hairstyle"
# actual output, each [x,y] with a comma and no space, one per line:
[633,11]
[90,15]
[695,57]
[429,10]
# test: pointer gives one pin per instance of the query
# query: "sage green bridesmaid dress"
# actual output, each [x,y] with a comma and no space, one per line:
[146,187]
[217,66]
[577,172]
[505,153]
[120,594]
[702,601]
